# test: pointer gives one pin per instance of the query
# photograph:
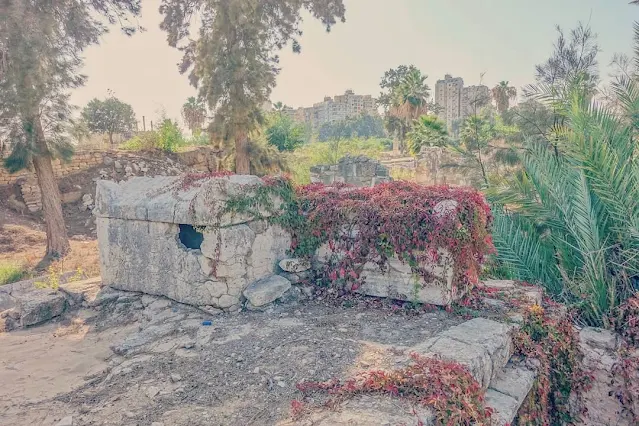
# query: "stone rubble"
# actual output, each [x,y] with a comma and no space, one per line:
[266,290]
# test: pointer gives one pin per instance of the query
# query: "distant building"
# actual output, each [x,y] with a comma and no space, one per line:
[333,109]
[457,102]
[448,96]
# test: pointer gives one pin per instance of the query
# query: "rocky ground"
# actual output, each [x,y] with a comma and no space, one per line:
[140,360]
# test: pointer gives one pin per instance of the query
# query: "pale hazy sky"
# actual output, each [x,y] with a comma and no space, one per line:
[503,38]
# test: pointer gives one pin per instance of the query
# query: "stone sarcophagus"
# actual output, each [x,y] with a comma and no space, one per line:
[170,236]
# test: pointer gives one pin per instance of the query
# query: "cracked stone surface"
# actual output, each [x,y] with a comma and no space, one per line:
[140,248]
[483,345]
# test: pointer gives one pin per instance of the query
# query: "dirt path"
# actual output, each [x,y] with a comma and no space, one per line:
[39,363]
[172,369]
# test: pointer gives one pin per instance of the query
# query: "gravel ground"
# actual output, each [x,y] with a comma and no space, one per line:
[240,370]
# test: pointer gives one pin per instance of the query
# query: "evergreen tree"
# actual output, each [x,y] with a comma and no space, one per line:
[40,46]
[233,60]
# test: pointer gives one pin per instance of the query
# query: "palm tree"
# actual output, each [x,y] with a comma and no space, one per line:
[194,114]
[409,101]
[502,93]
[571,221]
[280,107]
[427,130]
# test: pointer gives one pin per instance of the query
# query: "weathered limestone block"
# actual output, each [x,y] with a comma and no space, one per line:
[161,199]
[39,306]
[366,410]
[266,290]
[482,345]
[295,265]
[399,282]
[159,239]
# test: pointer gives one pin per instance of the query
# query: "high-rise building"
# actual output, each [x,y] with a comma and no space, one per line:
[337,108]
[448,96]
[457,102]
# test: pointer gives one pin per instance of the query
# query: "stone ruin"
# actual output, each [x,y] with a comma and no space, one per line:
[358,171]
[159,238]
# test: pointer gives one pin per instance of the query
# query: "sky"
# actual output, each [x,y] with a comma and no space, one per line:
[504,39]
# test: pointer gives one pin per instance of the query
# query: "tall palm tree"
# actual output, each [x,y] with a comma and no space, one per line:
[502,93]
[409,101]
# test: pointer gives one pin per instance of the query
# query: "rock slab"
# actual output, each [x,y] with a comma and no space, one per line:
[39,306]
[482,345]
[266,290]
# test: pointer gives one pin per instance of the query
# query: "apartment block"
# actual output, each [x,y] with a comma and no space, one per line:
[335,108]
[457,102]
[448,96]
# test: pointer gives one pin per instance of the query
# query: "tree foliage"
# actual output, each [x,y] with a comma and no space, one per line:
[427,130]
[194,114]
[570,219]
[233,58]
[502,93]
[365,126]
[407,97]
[283,132]
[109,116]
[40,57]
[574,59]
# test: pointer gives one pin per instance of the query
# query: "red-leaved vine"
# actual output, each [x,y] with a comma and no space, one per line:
[447,387]
[554,343]
[415,223]
[626,321]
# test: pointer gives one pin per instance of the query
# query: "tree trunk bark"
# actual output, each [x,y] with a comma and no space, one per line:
[111,139]
[242,161]
[57,240]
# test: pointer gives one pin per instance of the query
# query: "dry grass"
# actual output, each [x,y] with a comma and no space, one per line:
[26,247]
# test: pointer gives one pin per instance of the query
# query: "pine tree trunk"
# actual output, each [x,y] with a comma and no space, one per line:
[111,139]
[242,163]
[57,240]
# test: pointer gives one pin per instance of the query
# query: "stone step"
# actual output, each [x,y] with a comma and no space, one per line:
[507,392]
[484,346]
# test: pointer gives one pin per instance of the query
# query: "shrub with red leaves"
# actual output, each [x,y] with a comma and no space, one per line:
[554,343]
[447,387]
[626,320]
[400,219]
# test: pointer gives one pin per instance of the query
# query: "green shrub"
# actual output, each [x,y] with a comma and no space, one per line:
[316,153]
[169,136]
[143,141]
[11,272]
[570,219]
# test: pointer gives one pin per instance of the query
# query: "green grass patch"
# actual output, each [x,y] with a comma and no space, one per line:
[11,272]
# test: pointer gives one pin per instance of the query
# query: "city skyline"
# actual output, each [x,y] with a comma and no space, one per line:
[142,69]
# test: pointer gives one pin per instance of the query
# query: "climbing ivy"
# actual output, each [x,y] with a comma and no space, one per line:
[371,225]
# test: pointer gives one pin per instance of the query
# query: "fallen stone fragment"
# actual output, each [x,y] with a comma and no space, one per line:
[295,265]
[264,291]
[39,306]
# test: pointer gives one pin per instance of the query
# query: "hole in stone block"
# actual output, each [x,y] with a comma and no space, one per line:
[190,237]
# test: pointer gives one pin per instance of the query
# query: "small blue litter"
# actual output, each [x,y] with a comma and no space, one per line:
[207,323]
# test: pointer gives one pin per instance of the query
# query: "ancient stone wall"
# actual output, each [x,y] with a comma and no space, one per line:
[358,171]
[431,167]
[121,163]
